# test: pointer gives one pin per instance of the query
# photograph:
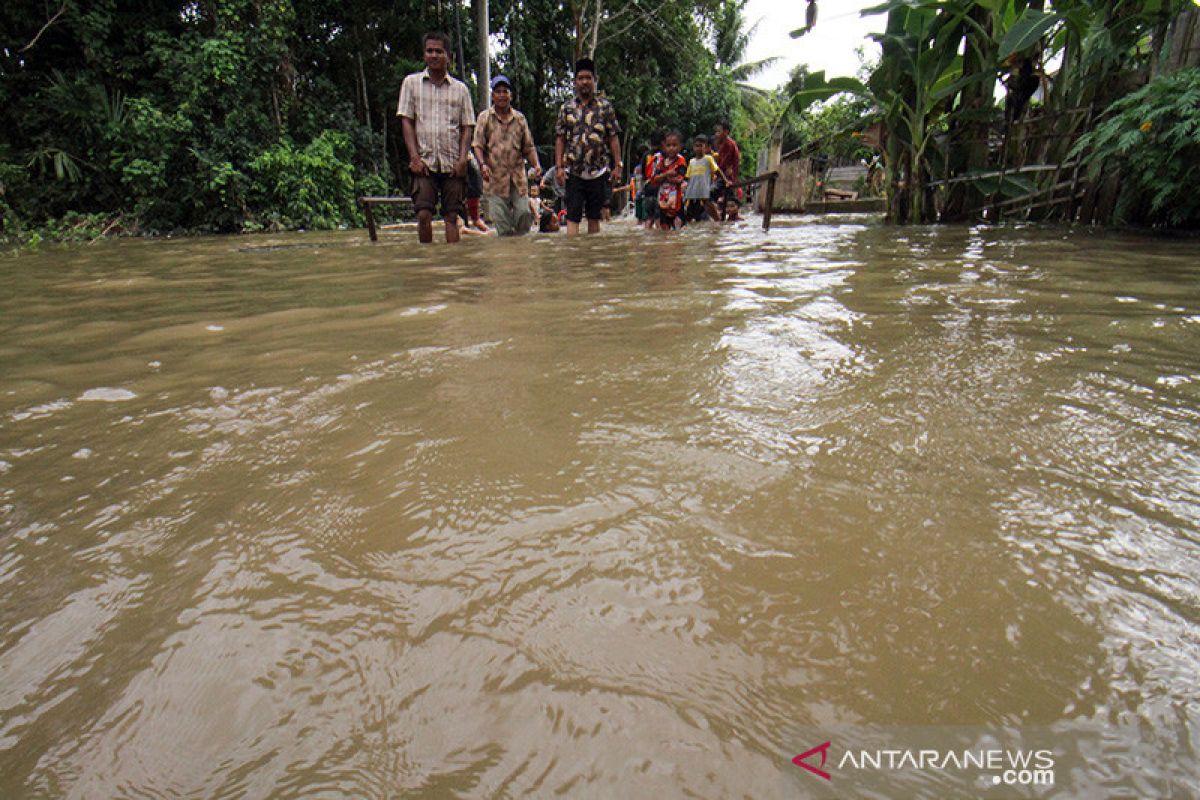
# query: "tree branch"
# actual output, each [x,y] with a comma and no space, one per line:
[50,22]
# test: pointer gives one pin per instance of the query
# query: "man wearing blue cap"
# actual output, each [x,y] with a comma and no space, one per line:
[503,145]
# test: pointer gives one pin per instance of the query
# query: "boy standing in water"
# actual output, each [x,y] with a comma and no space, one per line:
[729,159]
[700,172]
[667,176]
[648,196]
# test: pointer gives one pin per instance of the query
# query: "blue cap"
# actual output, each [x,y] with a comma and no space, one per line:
[499,79]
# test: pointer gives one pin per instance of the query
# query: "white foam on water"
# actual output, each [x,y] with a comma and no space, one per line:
[106,394]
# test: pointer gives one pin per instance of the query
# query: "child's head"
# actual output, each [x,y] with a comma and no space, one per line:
[672,142]
[700,145]
[731,209]
[535,190]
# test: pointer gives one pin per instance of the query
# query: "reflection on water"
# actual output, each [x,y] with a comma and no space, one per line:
[302,515]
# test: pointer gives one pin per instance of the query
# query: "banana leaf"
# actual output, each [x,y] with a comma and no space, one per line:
[1026,31]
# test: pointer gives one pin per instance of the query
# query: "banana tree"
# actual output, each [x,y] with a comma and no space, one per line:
[918,78]
[920,70]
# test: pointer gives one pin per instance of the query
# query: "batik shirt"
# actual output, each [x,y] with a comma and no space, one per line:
[587,129]
[504,144]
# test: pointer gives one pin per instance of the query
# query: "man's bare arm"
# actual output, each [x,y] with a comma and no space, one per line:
[410,141]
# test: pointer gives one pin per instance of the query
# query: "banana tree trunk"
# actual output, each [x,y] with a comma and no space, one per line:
[969,127]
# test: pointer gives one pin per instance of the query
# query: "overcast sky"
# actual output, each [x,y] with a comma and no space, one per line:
[830,46]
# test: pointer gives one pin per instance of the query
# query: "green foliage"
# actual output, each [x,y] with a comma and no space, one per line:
[934,84]
[239,114]
[831,128]
[815,88]
[73,227]
[1026,31]
[311,187]
[147,159]
[1153,138]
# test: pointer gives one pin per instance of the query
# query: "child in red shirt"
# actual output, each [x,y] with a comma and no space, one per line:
[666,175]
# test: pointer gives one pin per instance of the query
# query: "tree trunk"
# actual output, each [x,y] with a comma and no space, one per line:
[595,36]
[458,42]
[485,64]
[969,127]
[587,31]
[1184,41]
[383,164]
[362,84]
[895,173]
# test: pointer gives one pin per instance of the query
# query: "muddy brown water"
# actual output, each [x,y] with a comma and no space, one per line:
[628,516]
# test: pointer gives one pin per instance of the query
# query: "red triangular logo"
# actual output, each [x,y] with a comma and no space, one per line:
[823,749]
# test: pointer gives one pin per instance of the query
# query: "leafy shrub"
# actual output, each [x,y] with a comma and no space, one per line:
[311,187]
[149,159]
[1153,137]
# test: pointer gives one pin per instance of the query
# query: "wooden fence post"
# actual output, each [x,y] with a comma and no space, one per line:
[769,204]
[370,215]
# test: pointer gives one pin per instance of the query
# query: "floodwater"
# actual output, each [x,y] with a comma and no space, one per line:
[633,515]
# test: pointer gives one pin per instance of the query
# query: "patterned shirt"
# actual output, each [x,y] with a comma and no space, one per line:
[438,112]
[587,129]
[504,145]
[663,166]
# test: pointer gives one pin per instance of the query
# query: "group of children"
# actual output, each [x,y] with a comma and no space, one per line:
[670,191]
[675,191]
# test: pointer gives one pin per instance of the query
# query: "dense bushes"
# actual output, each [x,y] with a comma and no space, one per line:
[222,116]
[231,115]
[309,187]
[1153,138]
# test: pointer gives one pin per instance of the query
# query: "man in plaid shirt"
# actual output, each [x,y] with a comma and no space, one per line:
[437,118]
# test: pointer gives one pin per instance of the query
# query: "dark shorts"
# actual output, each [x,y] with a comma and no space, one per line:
[649,199]
[474,181]
[589,194]
[694,211]
[428,189]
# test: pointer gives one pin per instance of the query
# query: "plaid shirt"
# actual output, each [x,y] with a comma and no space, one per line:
[587,129]
[504,145]
[438,111]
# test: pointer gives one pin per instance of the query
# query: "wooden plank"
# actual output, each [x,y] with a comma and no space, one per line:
[394,201]
[845,174]
[998,173]
[766,176]
[368,211]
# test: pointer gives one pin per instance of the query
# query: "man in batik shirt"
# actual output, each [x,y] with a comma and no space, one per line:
[587,150]
[503,146]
